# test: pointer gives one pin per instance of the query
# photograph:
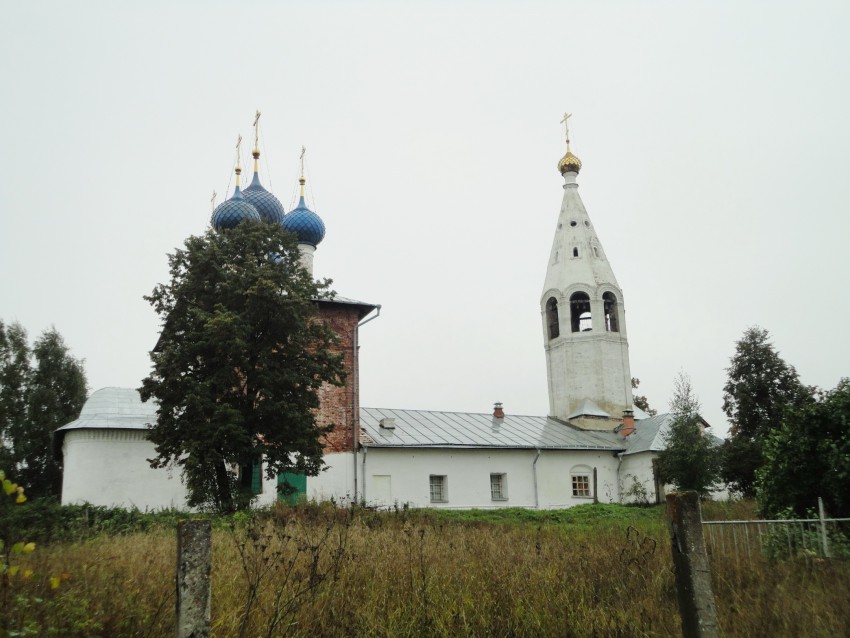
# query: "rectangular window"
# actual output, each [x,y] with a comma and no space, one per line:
[499,487]
[581,485]
[439,489]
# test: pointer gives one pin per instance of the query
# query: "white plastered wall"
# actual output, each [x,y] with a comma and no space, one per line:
[636,478]
[110,468]
[397,476]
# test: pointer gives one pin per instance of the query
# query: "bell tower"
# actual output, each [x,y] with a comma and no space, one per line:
[584,322]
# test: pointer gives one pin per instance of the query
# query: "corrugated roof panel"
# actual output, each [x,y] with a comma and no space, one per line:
[416,428]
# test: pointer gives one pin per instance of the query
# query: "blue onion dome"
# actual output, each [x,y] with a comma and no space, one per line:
[235,210]
[267,205]
[307,225]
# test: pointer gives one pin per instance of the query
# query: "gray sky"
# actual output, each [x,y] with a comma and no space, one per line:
[714,139]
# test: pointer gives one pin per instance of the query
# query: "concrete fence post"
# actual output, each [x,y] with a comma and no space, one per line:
[823,535]
[194,544]
[690,562]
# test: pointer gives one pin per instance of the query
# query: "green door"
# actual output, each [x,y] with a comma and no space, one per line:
[291,488]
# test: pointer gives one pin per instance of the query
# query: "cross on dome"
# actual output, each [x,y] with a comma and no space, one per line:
[569,163]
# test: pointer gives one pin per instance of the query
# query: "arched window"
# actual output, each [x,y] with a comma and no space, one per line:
[580,319]
[612,320]
[575,252]
[552,317]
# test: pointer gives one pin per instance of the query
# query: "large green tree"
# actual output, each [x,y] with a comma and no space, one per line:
[760,386]
[690,458]
[41,389]
[808,457]
[239,362]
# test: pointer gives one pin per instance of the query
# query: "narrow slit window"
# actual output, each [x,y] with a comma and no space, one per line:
[575,252]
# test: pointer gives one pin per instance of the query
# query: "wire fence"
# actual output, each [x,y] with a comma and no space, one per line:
[779,538]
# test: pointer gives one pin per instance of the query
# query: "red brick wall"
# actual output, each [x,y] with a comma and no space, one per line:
[336,403]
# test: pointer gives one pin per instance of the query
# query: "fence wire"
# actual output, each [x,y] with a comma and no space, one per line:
[821,537]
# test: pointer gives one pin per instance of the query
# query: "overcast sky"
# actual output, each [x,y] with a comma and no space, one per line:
[714,138]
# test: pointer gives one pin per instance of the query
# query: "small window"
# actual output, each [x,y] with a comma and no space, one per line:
[575,252]
[581,486]
[499,487]
[439,490]
[573,223]
[595,252]
[580,319]
[552,317]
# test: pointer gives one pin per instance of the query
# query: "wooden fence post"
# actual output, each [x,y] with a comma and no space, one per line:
[194,544]
[690,562]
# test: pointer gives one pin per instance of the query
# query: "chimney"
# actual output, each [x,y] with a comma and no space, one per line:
[628,425]
[498,412]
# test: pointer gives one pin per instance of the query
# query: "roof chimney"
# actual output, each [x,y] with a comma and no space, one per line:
[498,412]
[628,423]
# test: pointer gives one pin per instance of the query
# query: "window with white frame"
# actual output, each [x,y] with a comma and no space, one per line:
[439,489]
[581,483]
[499,487]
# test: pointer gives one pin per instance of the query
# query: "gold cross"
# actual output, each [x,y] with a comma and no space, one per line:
[257,131]
[566,124]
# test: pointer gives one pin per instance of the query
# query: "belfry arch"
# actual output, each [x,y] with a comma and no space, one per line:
[552,318]
[580,317]
[611,311]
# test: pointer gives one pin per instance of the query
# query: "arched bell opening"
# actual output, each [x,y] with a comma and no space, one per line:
[612,314]
[552,317]
[580,317]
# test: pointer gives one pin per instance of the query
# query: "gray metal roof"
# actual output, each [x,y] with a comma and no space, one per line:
[365,308]
[117,408]
[123,409]
[588,408]
[649,434]
[421,428]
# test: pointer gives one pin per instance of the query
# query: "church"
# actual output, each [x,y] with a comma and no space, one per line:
[594,445]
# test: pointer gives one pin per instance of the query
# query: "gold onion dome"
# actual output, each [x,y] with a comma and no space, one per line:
[569,163]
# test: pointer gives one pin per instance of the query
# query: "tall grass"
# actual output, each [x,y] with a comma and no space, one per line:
[590,571]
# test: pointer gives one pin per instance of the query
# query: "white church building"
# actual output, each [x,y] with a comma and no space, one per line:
[593,445]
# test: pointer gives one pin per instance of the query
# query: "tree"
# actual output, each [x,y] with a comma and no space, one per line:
[641,401]
[808,457]
[239,361]
[15,374]
[759,387]
[34,401]
[690,459]
[57,392]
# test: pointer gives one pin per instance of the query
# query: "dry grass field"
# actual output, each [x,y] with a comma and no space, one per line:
[596,570]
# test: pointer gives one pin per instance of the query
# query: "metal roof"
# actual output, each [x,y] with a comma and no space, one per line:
[422,428]
[123,409]
[649,434]
[117,408]
[588,408]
